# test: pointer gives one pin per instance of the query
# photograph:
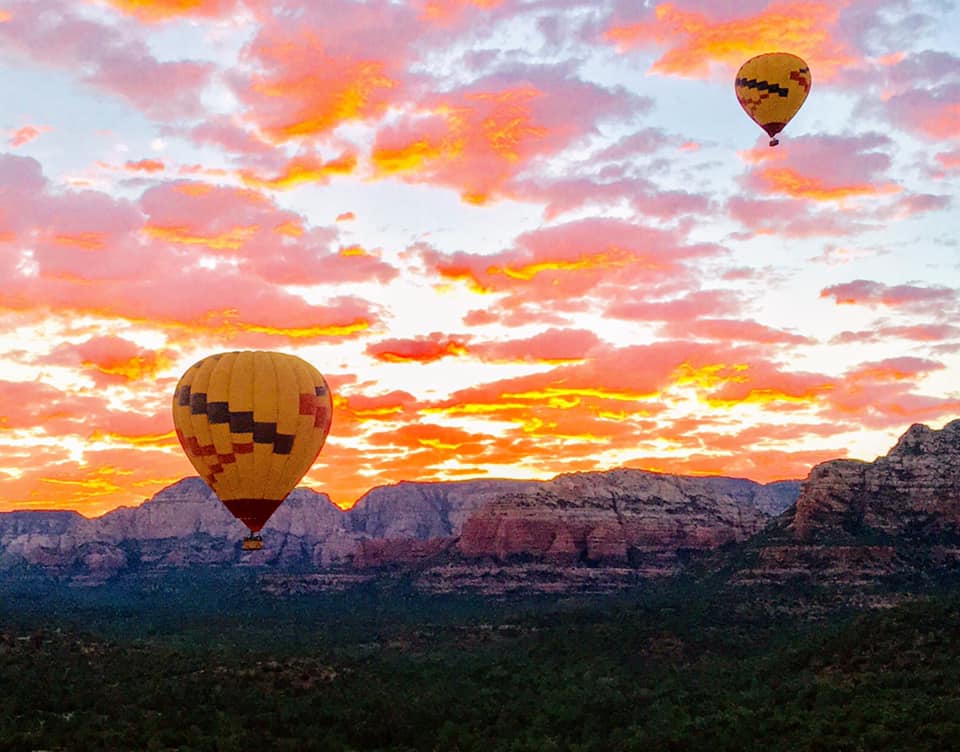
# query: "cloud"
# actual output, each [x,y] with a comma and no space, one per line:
[690,306]
[559,266]
[735,330]
[426,349]
[27,133]
[94,254]
[302,169]
[549,346]
[111,359]
[894,369]
[871,293]
[155,11]
[104,56]
[794,218]
[258,237]
[310,76]
[645,197]
[32,403]
[933,113]
[823,168]
[915,333]
[479,137]
[696,40]
[145,165]
[949,160]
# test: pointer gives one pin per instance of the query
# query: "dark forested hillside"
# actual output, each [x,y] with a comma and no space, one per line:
[188,661]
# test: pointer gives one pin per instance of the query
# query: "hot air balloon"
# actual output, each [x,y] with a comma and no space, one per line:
[771,88]
[252,423]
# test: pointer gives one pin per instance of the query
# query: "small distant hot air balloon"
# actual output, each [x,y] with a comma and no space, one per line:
[771,88]
[252,423]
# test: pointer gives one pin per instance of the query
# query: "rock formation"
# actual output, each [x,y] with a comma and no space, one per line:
[627,522]
[855,522]
[617,517]
[913,491]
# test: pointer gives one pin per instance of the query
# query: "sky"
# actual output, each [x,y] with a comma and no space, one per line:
[518,237]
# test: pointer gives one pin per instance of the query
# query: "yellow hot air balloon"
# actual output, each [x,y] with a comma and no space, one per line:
[771,88]
[252,423]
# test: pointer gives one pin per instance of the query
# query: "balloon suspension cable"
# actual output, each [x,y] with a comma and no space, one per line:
[774,141]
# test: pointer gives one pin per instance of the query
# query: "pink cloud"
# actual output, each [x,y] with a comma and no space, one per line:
[156,11]
[823,168]
[917,203]
[696,36]
[692,305]
[552,345]
[26,134]
[311,76]
[145,165]
[247,227]
[933,113]
[867,292]
[111,359]
[894,369]
[426,349]
[230,136]
[478,138]
[949,160]
[735,330]
[90,254]
[916,333]
[644,196]
[793,218]
[52,34]
[562,263]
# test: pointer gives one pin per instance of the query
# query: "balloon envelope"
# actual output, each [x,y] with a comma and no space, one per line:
[771,88]
[252,423]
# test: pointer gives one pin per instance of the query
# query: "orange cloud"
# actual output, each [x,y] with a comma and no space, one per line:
[790,182]
[499,125]
[145,165]
[303,89]
[113,359]
[153,11]
[949,160]
[478,139]
[444,11]
[26,134]
[420,350]
[305,169]
[823,168]
[231,239]
[695,40]
[895,369]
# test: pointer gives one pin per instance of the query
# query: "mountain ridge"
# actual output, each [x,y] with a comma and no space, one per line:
[560,522]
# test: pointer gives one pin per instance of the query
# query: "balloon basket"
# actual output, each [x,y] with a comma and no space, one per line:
[252,543]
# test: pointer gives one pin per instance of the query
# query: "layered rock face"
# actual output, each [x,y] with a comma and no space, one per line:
[183,525]
[626,520]
[855,522]
[646,520]
[913,491]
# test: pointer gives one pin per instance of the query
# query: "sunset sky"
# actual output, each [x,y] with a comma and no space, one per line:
[519,237]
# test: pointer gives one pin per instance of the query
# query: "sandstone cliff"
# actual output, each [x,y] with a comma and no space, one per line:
[860,522]
[627,522]
[913,491]
[616,517]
